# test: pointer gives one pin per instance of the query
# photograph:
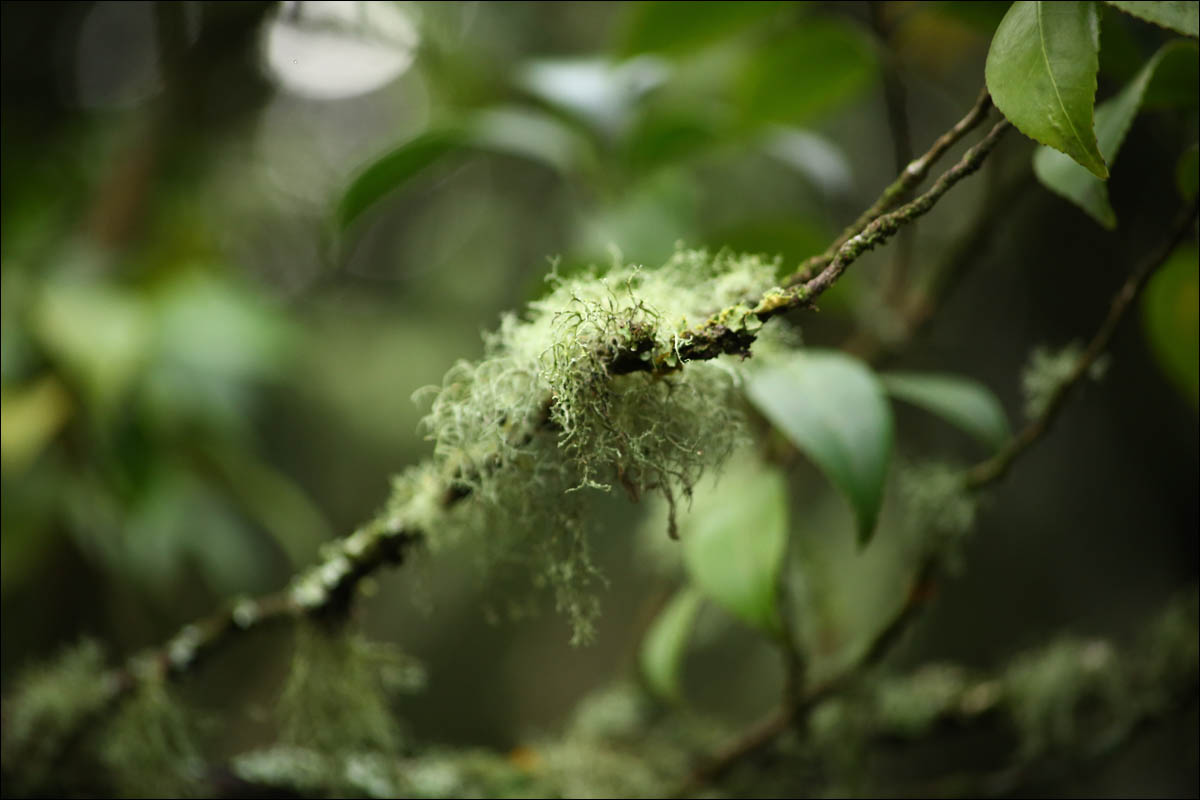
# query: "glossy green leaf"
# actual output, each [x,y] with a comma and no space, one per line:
[824,63]
[834,409]
[1187,173]
[671,27]
[661,656]
[388,173]
[1181,16]
[734,542]
[1171,321]
[962,402]
[1062,175]
[1041,72]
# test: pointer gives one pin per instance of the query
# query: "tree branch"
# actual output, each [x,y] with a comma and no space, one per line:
[996,467]
[976,478]
[327,590]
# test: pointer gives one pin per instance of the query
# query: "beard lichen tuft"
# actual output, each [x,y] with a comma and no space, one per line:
[553,409]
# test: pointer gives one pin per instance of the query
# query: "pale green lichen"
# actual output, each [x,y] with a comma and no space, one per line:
[47,707]
[939,506]
[337,698]
[1047,691]
[911,706]
[1048,370]
[149,749]
[542,416]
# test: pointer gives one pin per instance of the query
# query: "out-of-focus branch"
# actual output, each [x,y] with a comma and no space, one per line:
[1099,697]
[996,467]
[978,477]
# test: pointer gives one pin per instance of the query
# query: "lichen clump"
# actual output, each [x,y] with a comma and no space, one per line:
[546,414]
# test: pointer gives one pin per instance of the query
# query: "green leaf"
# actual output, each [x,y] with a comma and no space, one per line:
[1171,322]
[1041,72]
[1181,17]
[807,73]
[1114,117]
[734,542]
[962,402]
[599,92]
[532,135]
[661,656]
[670,27]
[1187,172]
[834,409]
[389,172]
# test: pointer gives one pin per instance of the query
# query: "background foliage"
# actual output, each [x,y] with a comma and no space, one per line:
[228,262]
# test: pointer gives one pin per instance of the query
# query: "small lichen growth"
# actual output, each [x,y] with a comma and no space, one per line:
[47,707]
[1048,370]
[938,504]
[1047,690]
[576,394]
[149,748]
[337,698]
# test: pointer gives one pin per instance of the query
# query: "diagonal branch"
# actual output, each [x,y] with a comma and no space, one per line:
[978,477]
[327,590]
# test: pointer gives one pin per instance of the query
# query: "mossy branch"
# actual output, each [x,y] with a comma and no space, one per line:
[328,589]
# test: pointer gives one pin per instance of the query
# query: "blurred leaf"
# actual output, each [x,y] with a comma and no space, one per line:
[599,92]
[834,409]
[1176,81]
[525,133]
[662,652]
[30,416]
[212,326]
[1171,321]
[661,136]
[529,134]
[960,401]
[1187,172]
[734,542]
[1041,72]
[807,73]
[100,334]
[1181,16]
[673,27]
[1114,117]
[1122,54]
[816,158]
[274,501]
[391,171]
[179,522]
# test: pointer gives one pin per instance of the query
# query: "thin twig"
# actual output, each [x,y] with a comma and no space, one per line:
[909,179]
[995,468]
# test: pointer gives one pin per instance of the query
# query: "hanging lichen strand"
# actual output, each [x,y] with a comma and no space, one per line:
[543,416]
